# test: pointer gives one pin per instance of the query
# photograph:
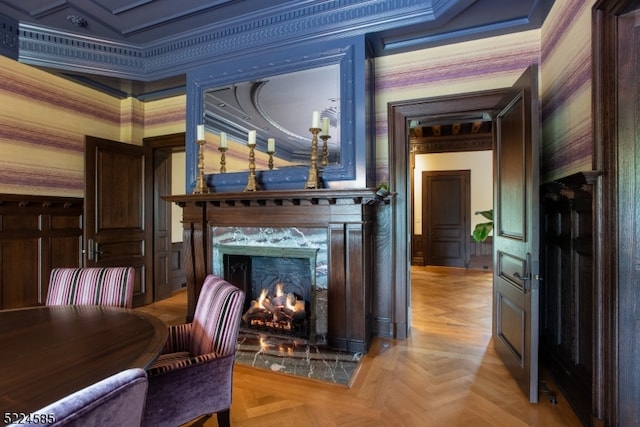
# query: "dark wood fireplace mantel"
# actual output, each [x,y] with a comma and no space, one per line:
[348,216]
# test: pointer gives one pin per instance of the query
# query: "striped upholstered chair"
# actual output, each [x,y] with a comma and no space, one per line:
[192,376]
[111,286]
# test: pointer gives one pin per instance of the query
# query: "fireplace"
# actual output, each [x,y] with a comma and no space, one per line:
[279,283]
[337,223]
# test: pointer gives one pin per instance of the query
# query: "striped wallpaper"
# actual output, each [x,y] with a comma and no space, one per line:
[562,48]
[44,118]
[472,66]
[567,133]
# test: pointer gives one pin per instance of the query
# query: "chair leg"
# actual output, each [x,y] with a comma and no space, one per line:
[224,418]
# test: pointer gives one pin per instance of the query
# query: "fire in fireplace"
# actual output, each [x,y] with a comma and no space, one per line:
[278,311]
[280,284]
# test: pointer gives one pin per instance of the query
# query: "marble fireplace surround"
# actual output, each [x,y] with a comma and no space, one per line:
[342,219]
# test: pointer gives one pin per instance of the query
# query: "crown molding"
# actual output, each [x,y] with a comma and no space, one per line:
[9,41]
[291,23]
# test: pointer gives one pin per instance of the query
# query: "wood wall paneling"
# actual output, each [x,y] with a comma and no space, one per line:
[567,291]
[37,233]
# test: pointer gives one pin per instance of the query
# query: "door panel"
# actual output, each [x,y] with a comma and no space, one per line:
[516,234]
[446,200]
[115,225]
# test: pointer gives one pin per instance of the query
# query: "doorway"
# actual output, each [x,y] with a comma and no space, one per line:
[401,163]
[166,155]
[516,192]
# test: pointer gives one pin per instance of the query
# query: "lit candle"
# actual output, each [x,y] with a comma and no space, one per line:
[315,120]
[200,133]
[252,138]
[325,126]
[223,140]
[271,145]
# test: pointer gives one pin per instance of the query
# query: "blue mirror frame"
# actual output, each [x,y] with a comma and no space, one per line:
[349,54]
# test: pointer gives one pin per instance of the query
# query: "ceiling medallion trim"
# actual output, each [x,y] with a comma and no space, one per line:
[291,24]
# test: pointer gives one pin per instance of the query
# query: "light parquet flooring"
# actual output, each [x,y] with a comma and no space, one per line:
[445,374]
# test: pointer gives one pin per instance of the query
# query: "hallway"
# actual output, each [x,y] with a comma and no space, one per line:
[445,374]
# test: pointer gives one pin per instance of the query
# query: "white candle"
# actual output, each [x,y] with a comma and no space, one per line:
[252,138]
[315,120]
[271,145]
[223,140]
[200,133]
[325,126]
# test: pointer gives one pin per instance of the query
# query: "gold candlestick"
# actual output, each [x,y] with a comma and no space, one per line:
[201,183]
[270,153]
[325,150]
[252,183]
[313,181]
[223,160]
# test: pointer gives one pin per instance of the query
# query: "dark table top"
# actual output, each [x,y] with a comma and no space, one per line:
[47,353]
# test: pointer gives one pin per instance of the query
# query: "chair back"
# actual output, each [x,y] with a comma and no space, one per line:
[117,401]
[216,321]
[111,286]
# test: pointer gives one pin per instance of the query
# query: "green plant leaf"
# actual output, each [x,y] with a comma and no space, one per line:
[487,214]
[481,231]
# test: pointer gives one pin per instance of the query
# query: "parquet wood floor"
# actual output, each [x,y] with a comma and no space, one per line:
[445,374]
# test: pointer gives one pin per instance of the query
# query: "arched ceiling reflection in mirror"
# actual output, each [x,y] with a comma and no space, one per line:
[279,107]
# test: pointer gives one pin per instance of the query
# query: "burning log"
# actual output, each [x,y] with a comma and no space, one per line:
[252,312]
[278,301]
[268,306]
[278,312]
[281,316]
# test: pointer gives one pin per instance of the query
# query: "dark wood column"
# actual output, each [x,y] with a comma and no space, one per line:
[194,241]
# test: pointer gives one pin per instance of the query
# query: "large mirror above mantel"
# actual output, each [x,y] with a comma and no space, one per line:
[275,93]
[279,107]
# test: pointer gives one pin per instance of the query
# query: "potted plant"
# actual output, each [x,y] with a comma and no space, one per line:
[482,230]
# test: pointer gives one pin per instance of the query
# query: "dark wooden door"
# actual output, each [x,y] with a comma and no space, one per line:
[116,232]
[162,274]
[158,176]
[446,199]
[516,232]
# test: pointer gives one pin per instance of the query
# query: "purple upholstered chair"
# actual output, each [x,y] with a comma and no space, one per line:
[111,286]
[116,401]
[192,376]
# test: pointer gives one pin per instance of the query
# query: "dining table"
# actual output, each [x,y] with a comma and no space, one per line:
[49,352]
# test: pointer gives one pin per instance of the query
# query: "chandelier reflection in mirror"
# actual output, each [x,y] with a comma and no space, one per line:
[279,107]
